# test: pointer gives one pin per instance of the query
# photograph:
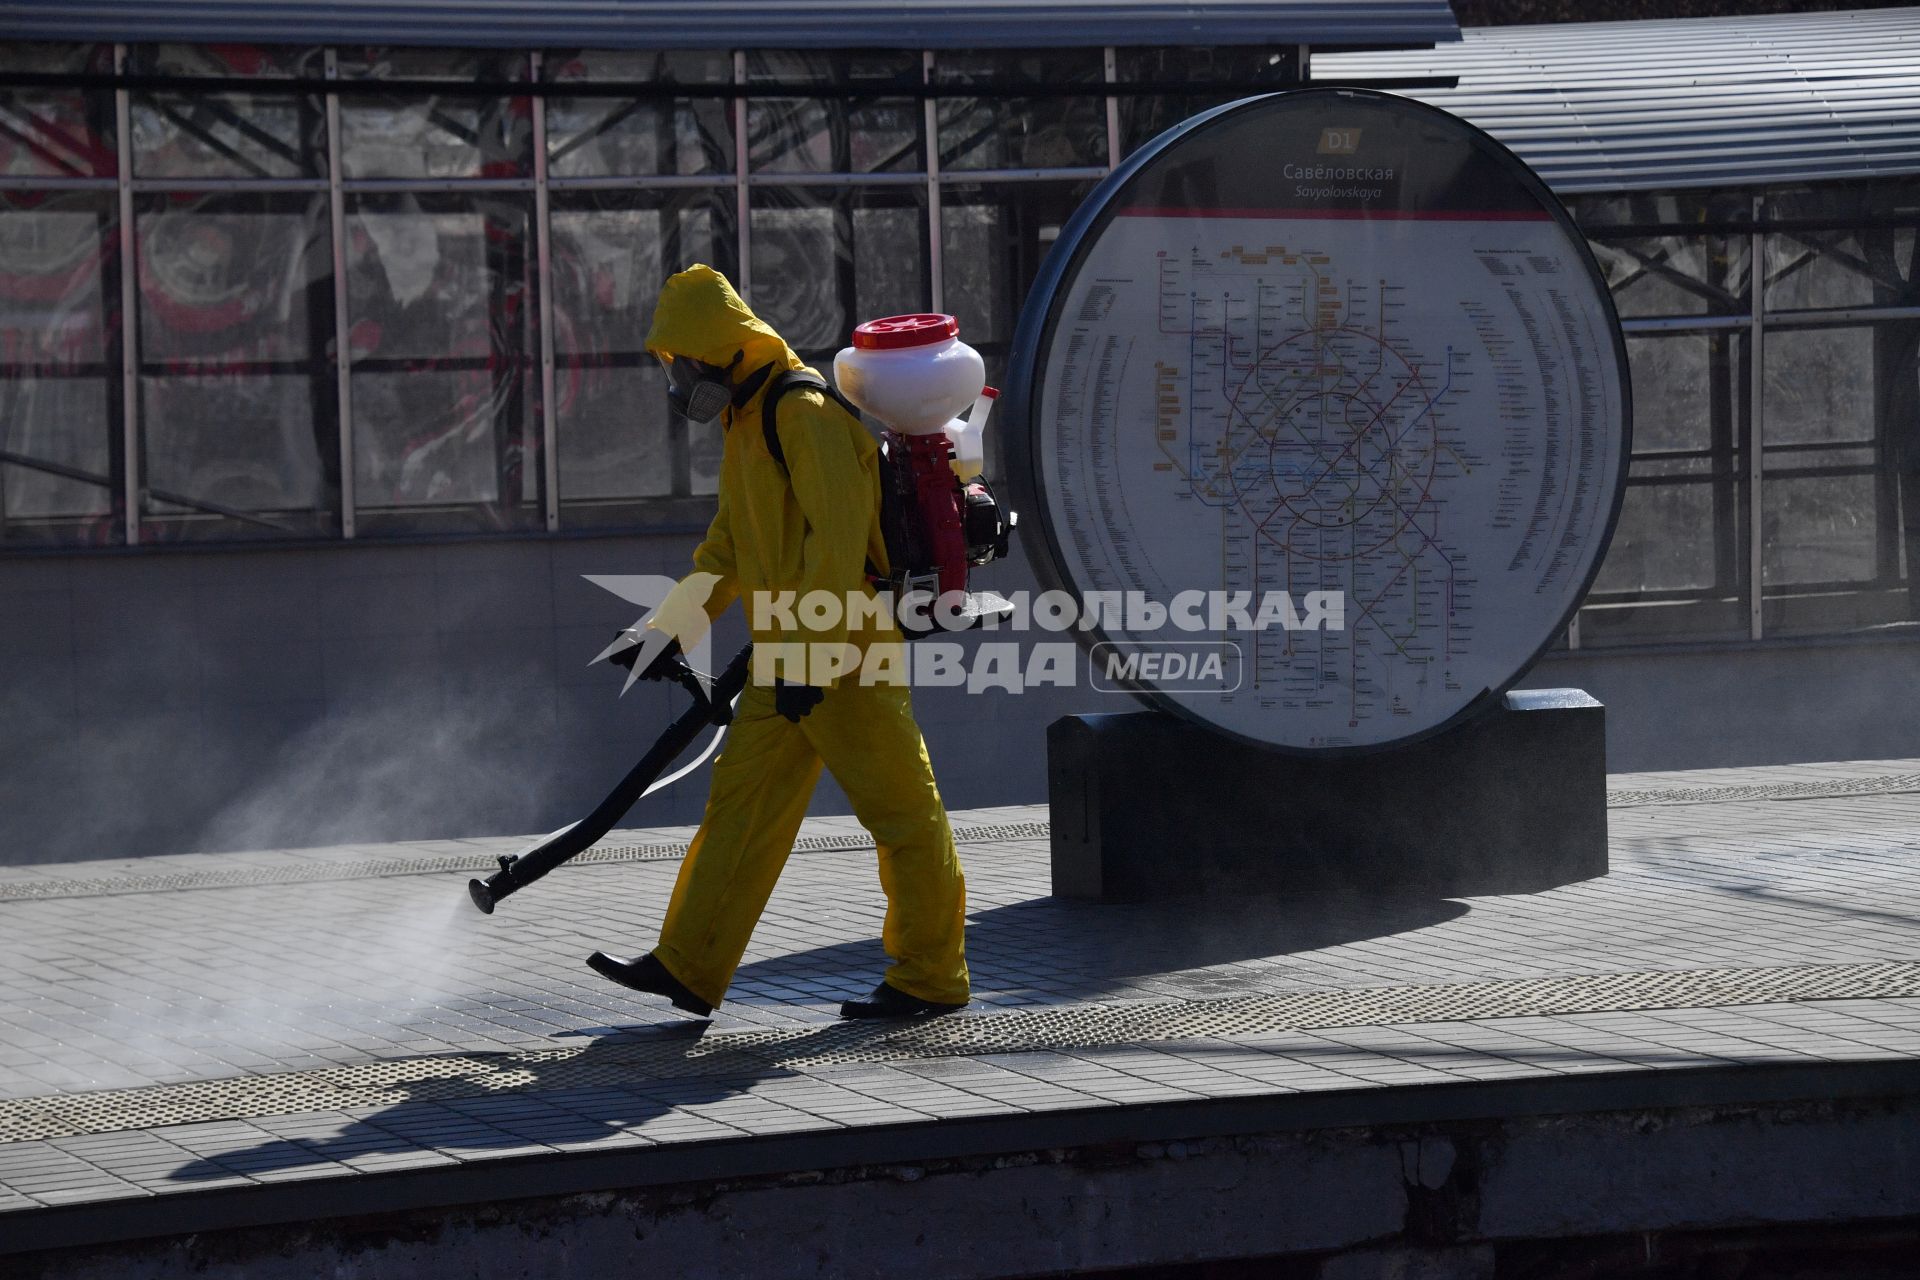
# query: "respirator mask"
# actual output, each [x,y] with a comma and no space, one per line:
[696,390]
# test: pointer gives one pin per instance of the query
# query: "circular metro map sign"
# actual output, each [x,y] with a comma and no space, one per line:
[1333,380]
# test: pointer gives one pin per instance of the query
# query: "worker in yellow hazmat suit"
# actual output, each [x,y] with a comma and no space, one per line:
[812,524]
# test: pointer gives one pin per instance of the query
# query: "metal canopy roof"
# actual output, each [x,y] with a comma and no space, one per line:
[708,24]
[1697,102]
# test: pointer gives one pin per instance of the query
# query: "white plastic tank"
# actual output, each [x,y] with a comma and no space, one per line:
[911,372]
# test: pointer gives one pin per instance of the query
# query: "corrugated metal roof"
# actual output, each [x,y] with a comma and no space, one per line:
[1670,103]
[708,24]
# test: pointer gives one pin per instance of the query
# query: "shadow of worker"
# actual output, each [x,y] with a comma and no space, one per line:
[509,1101]
[621,1084]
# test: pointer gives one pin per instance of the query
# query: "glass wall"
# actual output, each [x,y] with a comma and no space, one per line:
[62,438]
[364,292]
[1772,336]
[638,187]
[236,424]
[1168,85]
[439,263]
[380,292]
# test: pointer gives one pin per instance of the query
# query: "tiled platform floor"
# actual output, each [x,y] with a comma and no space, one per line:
[111,991]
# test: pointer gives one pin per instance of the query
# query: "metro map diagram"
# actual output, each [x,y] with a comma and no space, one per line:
[1255,404]
[1317,430]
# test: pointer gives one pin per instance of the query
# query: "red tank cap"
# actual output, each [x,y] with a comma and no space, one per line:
[890,333]
[991,393]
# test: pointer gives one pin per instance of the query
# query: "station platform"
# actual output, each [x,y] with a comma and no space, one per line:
[325,1061]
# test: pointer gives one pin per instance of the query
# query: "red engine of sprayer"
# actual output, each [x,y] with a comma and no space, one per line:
[919,473]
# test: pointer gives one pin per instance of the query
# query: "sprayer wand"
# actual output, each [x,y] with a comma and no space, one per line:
[715,708]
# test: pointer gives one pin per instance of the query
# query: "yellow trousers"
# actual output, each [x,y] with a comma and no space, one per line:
[765,775]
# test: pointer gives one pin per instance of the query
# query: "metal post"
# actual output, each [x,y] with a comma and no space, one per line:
[543,245]
[936,273]
[342,320]
[129,305]
[1302,72]
[743,206]
[1113,109]
[1756,422]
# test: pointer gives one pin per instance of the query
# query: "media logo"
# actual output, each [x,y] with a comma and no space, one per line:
[1171,666]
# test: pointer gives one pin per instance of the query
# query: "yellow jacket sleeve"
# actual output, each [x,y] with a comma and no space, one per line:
[714,555]
[834,492]
[703,595]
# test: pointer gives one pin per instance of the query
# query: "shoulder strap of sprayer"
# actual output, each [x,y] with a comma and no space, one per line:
[794,380]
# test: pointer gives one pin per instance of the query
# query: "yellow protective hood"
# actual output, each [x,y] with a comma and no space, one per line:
[699,315]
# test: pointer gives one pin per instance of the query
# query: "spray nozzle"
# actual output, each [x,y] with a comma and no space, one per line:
[483,891]
[968,435]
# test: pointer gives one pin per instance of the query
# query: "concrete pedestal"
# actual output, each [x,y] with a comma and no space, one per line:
[1147,806]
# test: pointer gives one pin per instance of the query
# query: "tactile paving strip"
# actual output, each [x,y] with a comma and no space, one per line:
[1891,784]
[1839,788]
[628,1061]
[661,851]
[367,869]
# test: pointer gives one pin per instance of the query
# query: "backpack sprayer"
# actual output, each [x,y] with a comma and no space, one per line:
[937,514]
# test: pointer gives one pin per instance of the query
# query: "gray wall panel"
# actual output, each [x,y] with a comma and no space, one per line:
[163,702]
[1780,703]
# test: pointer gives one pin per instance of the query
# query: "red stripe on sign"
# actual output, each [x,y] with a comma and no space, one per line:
[1350,215]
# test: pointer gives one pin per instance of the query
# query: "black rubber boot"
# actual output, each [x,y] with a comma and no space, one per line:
[891,1002]
[645,973]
